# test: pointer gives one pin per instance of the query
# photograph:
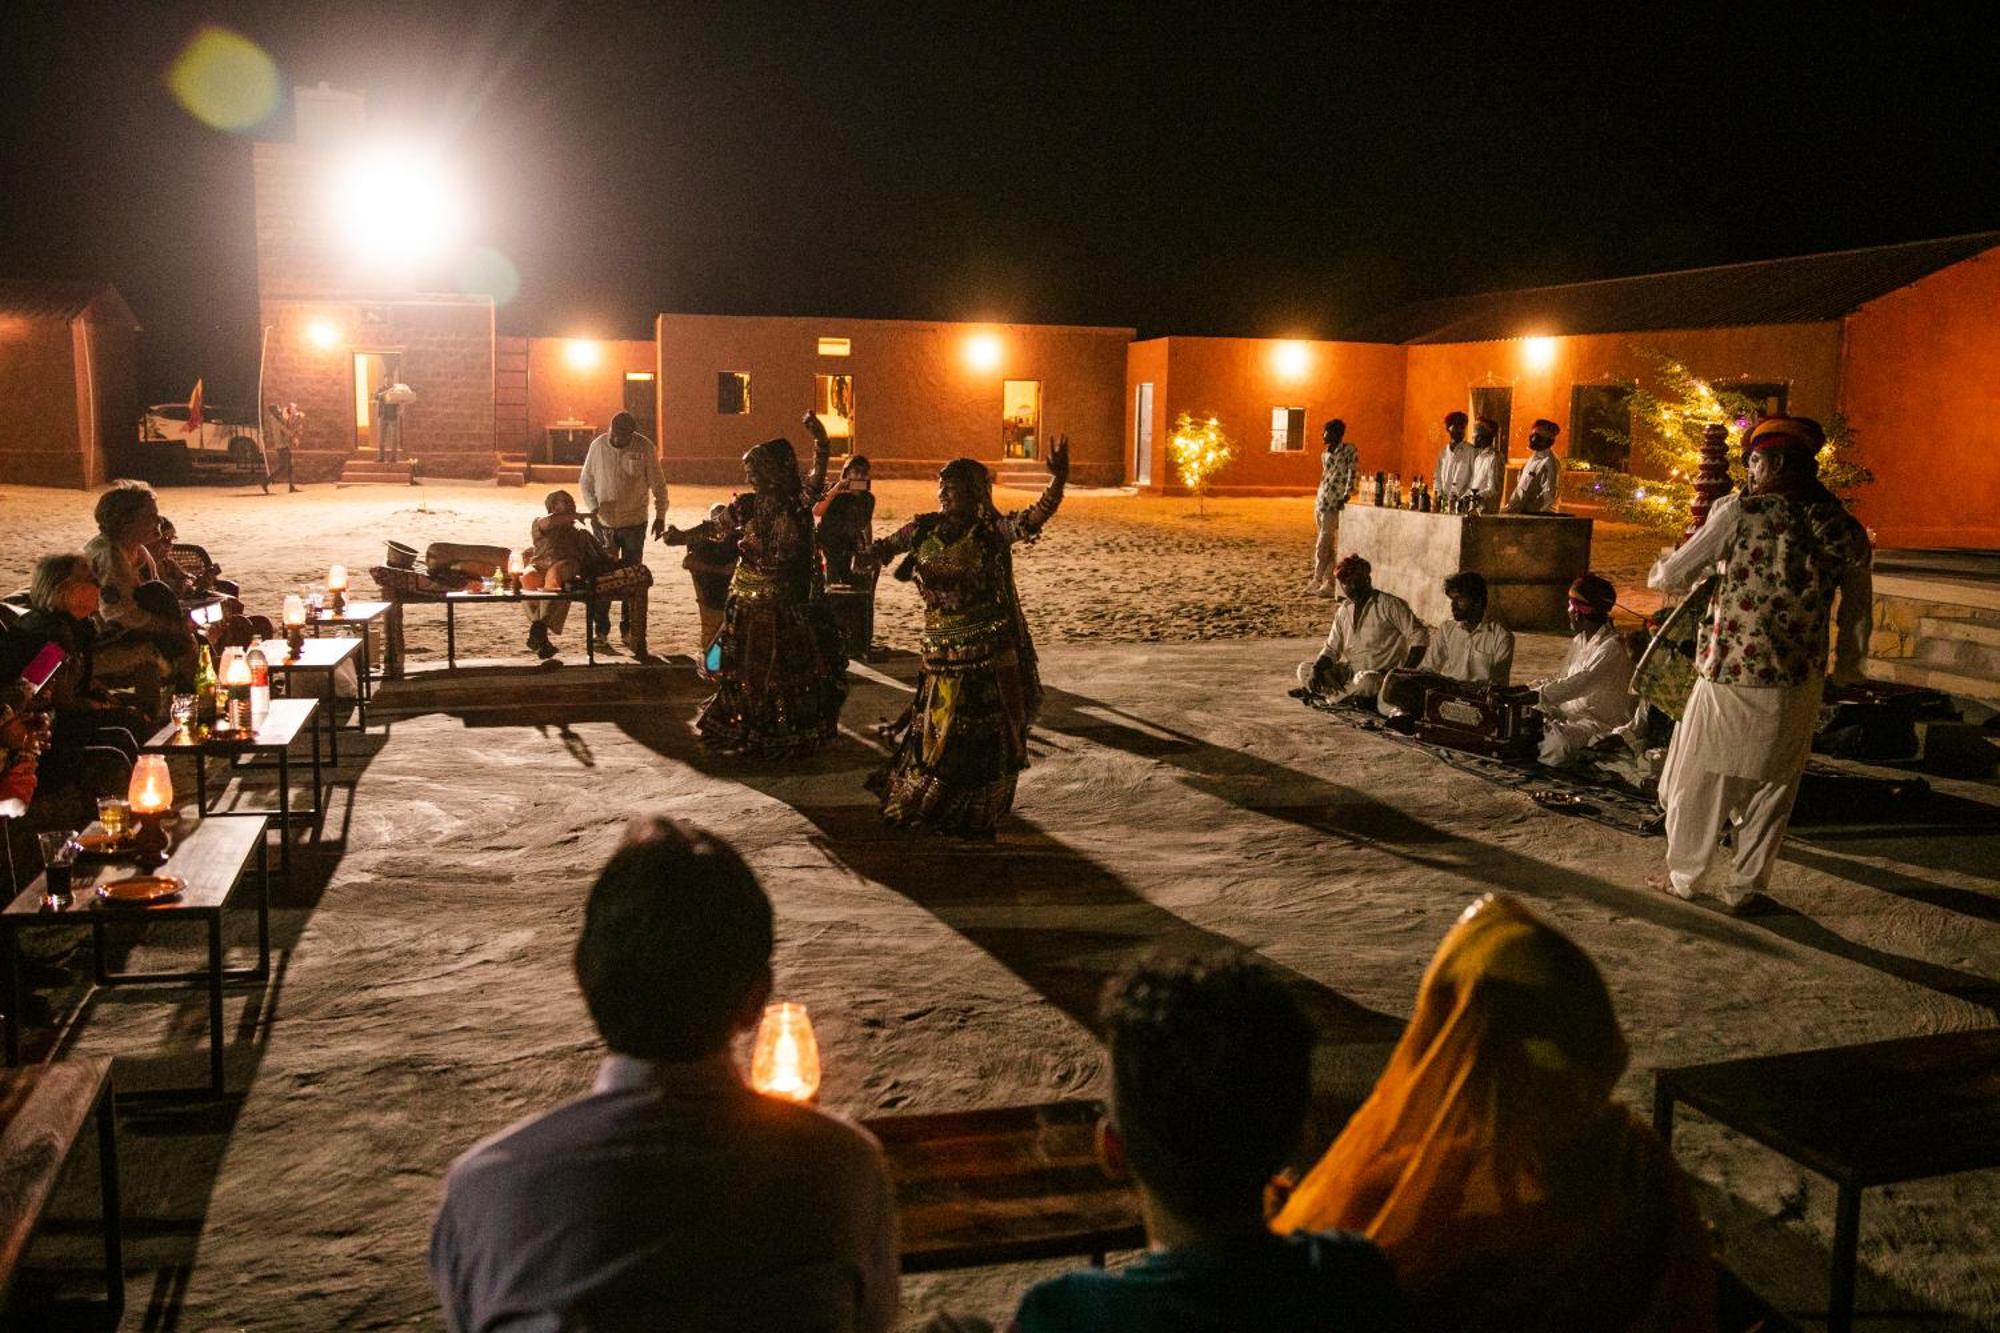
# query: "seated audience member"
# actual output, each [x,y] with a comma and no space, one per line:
[1540,482]
[1210,1082]
[21,739]
[93,740]
[1511,1193]
[846,516]
[1373,633]
[140,645]
[1593,695]
[671,1195]
[186,586]
[562,554]
[711,562]
[1470,650]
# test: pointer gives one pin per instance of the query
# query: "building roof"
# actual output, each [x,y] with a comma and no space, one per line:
[30,298]
[1806,290]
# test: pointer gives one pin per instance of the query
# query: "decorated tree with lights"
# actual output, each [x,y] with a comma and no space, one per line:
[1671,412]
[1199,449]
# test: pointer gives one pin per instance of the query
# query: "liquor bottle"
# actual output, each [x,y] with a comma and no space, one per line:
[1381,484]
[1423,498]
[1396,491]
[204,688]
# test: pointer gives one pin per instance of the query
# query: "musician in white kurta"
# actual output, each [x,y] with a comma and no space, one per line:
[1592,696]
[1785,552]
[1541,477]
[1469,651]
[1372,633]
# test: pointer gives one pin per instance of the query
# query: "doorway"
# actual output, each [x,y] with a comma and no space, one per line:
[639,401]
[1496,403]
[833,404]
[372,370]
[1601,425]
[1142,436]
[1020,418]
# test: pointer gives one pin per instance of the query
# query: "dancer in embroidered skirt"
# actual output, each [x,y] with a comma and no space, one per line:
[965,739]
[780,674]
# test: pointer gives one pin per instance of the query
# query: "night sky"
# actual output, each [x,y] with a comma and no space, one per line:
[1216,169]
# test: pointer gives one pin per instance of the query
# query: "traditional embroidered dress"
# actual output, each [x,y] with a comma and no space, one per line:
[780,674]
[966,738]
[1741,747]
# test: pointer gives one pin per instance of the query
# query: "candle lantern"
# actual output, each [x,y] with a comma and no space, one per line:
[336,588]
[515,568]
[151,795]
[295,624]
[785,1061]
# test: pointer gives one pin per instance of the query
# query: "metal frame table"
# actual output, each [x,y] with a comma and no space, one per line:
[454,600]
[43,1115]
[322,655]
[282,725]
[211,857]
[1875,1114]
[365,615]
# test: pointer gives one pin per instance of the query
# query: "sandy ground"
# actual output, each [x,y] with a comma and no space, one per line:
[422,996]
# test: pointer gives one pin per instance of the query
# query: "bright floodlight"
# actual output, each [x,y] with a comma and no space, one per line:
[982,351]
[323,334]
[1292,359]
[1539,353]
[396,207]
[582,353]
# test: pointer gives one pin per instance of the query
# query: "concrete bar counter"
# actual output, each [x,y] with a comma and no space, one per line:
[1529,561]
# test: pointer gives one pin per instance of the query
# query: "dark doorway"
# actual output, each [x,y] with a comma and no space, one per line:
[1496,402]
[1601,425]
[639,401]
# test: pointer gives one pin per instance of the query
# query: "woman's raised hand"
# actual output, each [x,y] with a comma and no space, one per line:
[1059,458]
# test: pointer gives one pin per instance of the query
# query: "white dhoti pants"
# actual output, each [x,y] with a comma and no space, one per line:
[1563,739]
[1736,758]
[1323,553]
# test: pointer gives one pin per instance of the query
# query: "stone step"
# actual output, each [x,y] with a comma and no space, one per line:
[1908,671]
[510,477]
[555,474]
[1959,631]
[366,473]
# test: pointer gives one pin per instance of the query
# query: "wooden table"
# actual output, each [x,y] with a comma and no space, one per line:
[454,600]
[364,616]
[324,656]
[1004,1185]
[1875,1114]
[211,857]
[42,1111]
[282,725]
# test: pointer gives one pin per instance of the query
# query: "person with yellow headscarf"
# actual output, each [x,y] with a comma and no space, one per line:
[1491,1164]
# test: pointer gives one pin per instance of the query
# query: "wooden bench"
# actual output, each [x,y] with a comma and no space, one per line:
[42,1112]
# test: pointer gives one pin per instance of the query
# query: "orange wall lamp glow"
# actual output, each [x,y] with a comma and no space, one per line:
[1291,359]
[583,353]
[1538,353]
[982,351]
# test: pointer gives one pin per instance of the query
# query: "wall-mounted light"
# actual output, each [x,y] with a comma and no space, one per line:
[583,353]
[397,205]
[1538,353]
[1291,359]
[982,351]
[323,334]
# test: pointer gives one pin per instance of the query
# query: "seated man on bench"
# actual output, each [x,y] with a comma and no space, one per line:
[1470,653]
[1373,633]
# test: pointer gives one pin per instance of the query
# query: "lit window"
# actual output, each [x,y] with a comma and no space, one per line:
[732,393]
[833,404]
[1288,429]
[638,377]
[835,346]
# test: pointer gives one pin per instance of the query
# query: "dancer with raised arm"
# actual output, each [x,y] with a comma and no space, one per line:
[780,674]
[966,738]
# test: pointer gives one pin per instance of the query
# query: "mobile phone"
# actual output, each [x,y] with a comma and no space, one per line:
[43,668]
[857,483]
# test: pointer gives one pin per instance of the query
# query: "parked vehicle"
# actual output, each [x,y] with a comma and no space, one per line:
[224,439]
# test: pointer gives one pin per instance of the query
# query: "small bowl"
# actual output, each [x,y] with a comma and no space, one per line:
[401,556]
[1556,800]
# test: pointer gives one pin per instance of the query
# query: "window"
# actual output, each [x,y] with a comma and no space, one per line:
[1601,425]
[835,346]
[1767,397]
[1288,429]
[732,393]
[833,404]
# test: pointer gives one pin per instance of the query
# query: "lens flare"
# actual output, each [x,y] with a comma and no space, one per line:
[487,272]
[224,80]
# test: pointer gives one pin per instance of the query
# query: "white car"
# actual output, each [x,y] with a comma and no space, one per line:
[219,441]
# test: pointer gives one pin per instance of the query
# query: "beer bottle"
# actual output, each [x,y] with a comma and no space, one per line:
[204,688]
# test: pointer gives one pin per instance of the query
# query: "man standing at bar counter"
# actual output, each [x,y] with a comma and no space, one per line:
[1535,491]
[1486,467]
[1454,466]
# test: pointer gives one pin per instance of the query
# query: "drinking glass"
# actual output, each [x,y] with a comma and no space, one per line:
[183,711]
[316,601]
[115,813]
[58,860]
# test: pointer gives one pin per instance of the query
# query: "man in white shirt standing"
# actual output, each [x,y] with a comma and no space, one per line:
[1373,632]
[1454,466]
[1487,468]
[1469,651]
[1593,695]
[1785,553]
[1338,466]
[670,1195]
[620,471]
[1541,478]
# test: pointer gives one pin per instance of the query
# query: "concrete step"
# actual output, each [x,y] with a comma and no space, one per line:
[555,474]
[365,472]
[1909,671]
[1959,631]
[507,476]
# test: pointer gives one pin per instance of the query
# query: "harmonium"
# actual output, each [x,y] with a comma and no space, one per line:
[1501,724]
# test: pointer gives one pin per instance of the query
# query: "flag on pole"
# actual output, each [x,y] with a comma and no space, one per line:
[194,410]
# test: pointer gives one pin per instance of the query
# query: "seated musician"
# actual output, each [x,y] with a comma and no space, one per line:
[1471,652]
[1373,632]
[1593,695]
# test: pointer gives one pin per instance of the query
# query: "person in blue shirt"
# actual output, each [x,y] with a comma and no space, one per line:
[1211,1078]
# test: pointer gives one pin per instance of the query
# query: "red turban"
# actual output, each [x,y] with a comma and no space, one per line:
[1796,434]
[1543,426]
[1489,423]
[1454,419]
[1594,591]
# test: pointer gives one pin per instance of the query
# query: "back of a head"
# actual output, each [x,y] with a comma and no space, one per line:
[676,938]
[119,505]
[51,572]
[1211,1068]
[624,422]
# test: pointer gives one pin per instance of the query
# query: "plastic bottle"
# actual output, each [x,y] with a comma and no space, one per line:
[260,686]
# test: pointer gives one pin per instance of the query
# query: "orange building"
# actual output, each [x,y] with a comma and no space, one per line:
[911,395]
[549,391]
[69,378]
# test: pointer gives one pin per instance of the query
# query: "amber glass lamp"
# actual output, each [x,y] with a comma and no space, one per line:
[785,1060]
